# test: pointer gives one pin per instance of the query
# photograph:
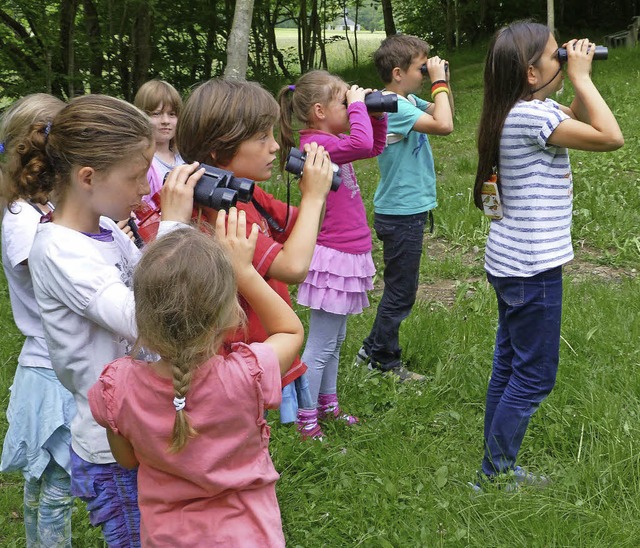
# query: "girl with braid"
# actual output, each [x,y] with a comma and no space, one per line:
[193,422]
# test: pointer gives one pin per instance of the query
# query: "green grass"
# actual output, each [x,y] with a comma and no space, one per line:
[399,478]
[338,53]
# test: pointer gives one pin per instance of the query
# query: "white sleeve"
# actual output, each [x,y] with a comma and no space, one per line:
[114,309]
[19,229]
[77,275]
[169,226]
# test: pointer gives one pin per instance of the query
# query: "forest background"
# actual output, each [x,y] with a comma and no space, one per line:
[72,47]
[400,477]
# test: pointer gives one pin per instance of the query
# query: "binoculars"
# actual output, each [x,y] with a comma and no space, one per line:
[376,101]
[425,71]
[295,163]
[602,53]
[219,189]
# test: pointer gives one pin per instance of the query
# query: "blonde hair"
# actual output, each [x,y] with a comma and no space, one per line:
[154,93]
[316,86]
[93,130]
[186,302]
[398,50]
[22,122]
[219,116]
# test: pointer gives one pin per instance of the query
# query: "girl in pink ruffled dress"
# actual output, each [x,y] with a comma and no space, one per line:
[342,269]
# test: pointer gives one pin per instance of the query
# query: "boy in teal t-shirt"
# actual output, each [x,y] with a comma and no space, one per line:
[406,192]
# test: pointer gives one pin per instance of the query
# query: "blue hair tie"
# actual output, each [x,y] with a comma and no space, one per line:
[1,148]
[292,87]
[47,129]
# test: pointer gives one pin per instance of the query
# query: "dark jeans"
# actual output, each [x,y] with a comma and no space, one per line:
[525,362]
[401,237]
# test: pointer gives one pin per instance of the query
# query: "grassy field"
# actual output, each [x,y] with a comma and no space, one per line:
[338,52]
[400,477]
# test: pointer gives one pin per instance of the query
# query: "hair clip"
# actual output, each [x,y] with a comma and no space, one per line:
[292,87]
[47,129]
[179,403]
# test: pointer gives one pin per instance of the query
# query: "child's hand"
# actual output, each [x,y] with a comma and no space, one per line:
[579,58]
[176,194]
[231,230]
[317,172]
[126,229]
[356,93]
[436,68]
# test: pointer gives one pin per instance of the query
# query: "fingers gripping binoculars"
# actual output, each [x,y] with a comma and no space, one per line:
[217,189]
[600,54]
[295,164]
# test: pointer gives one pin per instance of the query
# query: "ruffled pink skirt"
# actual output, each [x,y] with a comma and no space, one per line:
[337,282]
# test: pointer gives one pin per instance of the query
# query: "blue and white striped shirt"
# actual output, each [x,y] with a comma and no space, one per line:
[536,188]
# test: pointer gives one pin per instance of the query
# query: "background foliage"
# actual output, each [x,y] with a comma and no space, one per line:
[71,47]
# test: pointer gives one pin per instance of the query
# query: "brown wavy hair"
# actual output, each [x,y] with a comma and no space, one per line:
[24,123]
[186,303]
[92,130]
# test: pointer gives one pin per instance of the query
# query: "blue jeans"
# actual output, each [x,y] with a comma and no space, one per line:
[525,362]
[402,237]
[47,508]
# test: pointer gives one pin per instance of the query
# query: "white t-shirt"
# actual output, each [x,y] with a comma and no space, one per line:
[18,231]
[82,286]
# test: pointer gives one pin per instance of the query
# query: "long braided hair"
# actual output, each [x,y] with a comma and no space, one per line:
[186,302]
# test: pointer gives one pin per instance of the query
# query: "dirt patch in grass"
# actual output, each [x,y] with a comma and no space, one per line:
[443,291]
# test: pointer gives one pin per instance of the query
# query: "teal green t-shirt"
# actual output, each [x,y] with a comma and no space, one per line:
[407,175]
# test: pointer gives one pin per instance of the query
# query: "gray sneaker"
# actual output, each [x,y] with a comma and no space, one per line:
[362,358]
[405,375]
[399,371]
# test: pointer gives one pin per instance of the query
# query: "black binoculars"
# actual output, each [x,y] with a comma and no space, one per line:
[425,71]
[295,163]
[219,189]
[602,53]
[376,101]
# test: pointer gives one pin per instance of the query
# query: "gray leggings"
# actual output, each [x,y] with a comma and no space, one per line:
[327,332]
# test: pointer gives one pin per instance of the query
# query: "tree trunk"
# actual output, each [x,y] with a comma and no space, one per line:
[96,62]
[141,42]
[346,32]
[238,44]
[551,16]
[317,23]
[304,38]
[68,9]
[448,26]
[387,13]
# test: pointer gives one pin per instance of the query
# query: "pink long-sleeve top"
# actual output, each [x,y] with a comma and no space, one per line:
[345,225]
